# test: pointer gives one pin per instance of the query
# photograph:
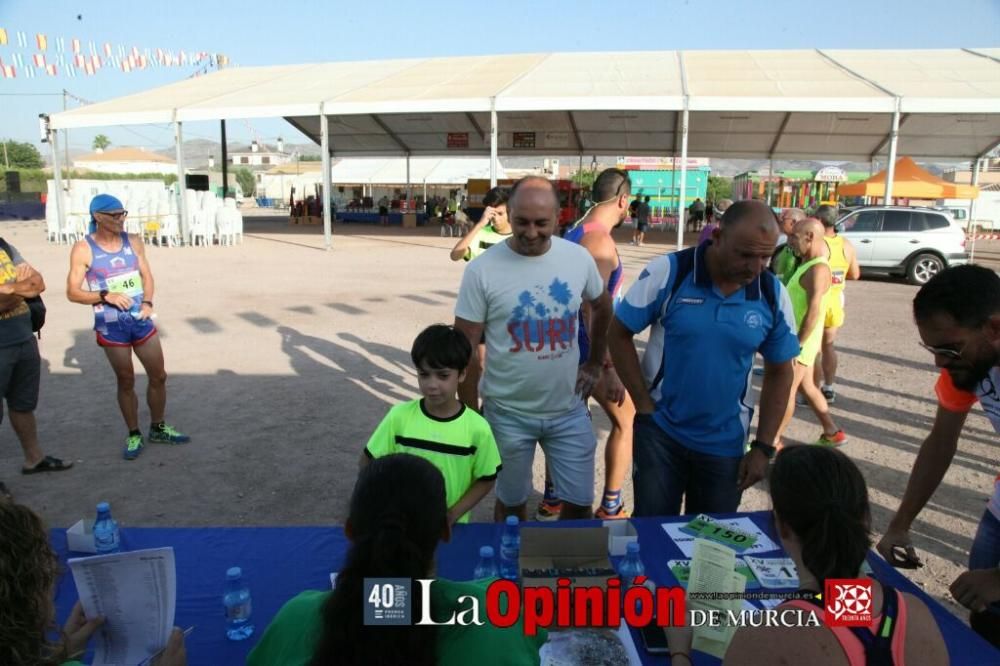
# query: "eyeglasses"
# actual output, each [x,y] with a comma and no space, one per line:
[947,352]
[114,216]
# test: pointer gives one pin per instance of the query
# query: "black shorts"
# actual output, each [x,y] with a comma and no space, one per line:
[382,210]
[20,373]
[642,226]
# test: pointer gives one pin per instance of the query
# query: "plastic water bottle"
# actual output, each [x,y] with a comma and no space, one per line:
[238,606]
[487,567]
[631,566]
[107,539]
[510,549]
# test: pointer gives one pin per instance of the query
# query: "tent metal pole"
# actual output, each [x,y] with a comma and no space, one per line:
[225,160]
[493,142]
[770,180]
[57,177]
[971,231]
[891,170]
[324,128]
[681,198]
[409,185]
[181,181]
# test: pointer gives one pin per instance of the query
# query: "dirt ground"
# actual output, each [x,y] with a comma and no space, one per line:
[282,357]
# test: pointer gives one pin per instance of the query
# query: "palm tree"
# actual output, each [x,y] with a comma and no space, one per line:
[101,142]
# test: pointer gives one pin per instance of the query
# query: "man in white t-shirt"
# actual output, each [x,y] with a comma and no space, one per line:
[958,317]
[526,294]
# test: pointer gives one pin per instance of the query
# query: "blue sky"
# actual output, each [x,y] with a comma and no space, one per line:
[261,33]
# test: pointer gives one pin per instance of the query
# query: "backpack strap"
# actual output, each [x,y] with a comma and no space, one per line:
[878,646]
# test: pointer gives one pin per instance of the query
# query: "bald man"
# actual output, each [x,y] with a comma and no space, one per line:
[526,294]
[808,288]
[710,309]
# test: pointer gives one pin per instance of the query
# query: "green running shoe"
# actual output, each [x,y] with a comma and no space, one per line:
[167,434]
[133,447]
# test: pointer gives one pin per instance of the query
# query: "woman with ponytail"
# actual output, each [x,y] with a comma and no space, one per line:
[822,515]
[398,514]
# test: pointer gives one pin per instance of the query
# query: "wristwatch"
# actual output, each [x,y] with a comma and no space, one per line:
[766,449]
[149,303]
[104,295]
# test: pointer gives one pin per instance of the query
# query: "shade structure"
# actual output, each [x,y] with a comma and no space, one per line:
[794,104]
[910,182]
[392,171]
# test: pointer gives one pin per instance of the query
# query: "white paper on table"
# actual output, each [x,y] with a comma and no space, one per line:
[715,640]
[774,572]
[685,541]
[136,592]
[712,570]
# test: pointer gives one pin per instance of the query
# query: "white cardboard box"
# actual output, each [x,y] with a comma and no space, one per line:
[620,534]
[80,537]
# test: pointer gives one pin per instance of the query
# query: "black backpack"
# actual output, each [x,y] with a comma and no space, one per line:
[35,304]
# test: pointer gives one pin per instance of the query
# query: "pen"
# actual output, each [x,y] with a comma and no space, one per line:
[149,660]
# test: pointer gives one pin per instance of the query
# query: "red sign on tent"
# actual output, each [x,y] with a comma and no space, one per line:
[458,139]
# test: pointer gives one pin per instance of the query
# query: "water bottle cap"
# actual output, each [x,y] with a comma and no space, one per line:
[234,573]
[486,551]
[632,547]
[103,507]
[512,520]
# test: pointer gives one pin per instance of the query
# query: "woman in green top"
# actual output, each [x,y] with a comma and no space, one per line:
[492,228]
[398,514]
[28,572]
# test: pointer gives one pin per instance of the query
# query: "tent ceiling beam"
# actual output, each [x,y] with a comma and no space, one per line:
[993,146]
[777,137]
[888,137]
[576,131]
[392,135]
[479,130]
[855,74]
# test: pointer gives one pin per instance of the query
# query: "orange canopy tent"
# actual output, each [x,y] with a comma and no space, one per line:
[909,182]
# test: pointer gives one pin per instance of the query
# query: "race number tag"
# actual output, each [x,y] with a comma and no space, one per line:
[838,277]
[127,283]
[730,536]
[774,573]
[700,522]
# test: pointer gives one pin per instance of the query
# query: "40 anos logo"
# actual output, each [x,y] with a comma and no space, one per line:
[848,602]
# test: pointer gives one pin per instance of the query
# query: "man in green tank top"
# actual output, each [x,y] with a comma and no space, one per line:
[808,288]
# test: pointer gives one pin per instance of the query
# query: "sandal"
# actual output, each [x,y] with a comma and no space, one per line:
[48,464]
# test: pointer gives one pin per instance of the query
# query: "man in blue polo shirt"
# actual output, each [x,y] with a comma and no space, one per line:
[711,308]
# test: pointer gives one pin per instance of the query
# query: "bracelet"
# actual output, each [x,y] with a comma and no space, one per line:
[149,303]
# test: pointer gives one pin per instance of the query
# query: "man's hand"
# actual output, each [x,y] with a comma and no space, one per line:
[586,378]
[78,630]
[121,301]
[977,589]
[614,390]
[175,653]
[753,468]
[146,311]
[897,549]
[24,271]
[487,217]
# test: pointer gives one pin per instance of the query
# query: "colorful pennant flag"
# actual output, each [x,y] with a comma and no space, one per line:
[9,72]
[51,70]
[60,44]
[107,49]
[76,45]
[39,60]
[3,37]
[42,40]
[22,39]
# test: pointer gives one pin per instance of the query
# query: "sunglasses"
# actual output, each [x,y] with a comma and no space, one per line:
[947,352]
[114,216]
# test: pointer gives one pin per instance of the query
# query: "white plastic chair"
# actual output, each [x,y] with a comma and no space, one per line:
[199,228]
[169,233]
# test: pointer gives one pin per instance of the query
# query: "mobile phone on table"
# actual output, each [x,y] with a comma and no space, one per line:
[654,639]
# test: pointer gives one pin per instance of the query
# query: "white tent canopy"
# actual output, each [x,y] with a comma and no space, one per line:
[838,104]
[429,170]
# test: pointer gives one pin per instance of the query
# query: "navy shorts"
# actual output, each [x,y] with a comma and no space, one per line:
[126,332]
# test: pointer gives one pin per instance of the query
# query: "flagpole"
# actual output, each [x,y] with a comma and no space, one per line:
[66,132]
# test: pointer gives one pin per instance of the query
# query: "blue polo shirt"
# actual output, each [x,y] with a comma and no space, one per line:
[699,358]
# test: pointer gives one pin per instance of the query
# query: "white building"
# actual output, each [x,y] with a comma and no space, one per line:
[126,160]
[262,158]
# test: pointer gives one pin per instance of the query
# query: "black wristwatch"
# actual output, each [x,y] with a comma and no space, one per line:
[104,295]
[766,449]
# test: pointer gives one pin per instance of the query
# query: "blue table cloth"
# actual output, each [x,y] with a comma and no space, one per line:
[280,562]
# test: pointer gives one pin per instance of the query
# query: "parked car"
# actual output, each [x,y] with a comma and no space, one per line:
[917,243]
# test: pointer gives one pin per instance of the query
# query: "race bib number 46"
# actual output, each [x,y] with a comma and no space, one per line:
[127,283]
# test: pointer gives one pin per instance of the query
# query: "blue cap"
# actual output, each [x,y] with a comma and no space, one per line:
[486,551]
[103,507]
[101,203]
[234,573]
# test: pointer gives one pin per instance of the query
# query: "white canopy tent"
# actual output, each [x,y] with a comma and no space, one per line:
[851,105]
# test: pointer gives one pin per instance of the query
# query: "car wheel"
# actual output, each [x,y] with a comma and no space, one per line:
[923,267]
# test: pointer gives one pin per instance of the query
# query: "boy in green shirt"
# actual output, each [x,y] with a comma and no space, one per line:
[438,427]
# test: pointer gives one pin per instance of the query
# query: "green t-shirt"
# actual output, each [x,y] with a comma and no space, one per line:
[292,635]
[462,447]
[784,264]
[484,239]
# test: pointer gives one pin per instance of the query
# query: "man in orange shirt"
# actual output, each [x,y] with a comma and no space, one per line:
[958,317]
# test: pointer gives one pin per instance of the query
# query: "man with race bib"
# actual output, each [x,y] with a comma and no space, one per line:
[119,286]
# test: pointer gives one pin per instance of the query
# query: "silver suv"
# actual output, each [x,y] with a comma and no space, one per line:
[916,242]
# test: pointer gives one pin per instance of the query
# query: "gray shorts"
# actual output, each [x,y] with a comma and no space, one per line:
[20,373]
[569,444]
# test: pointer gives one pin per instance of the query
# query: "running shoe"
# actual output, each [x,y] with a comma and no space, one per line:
[836,439]
[829,394]
[547,512]
[133,447]
[602,513]
[167,434]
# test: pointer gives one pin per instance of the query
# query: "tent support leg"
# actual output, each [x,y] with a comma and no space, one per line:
[57,177]
[409,185]
[891,171]
[324,128]
[493,143]
[181,180]
[681,198]
[972,211]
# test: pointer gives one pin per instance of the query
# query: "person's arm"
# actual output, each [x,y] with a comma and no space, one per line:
[27,284]
[854,268]
[476,492]
[816,283]
[590,371]
[468,390]
[933,460]
[461,248]
[626,361]
[774,396]
[79,259]
[148,287]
